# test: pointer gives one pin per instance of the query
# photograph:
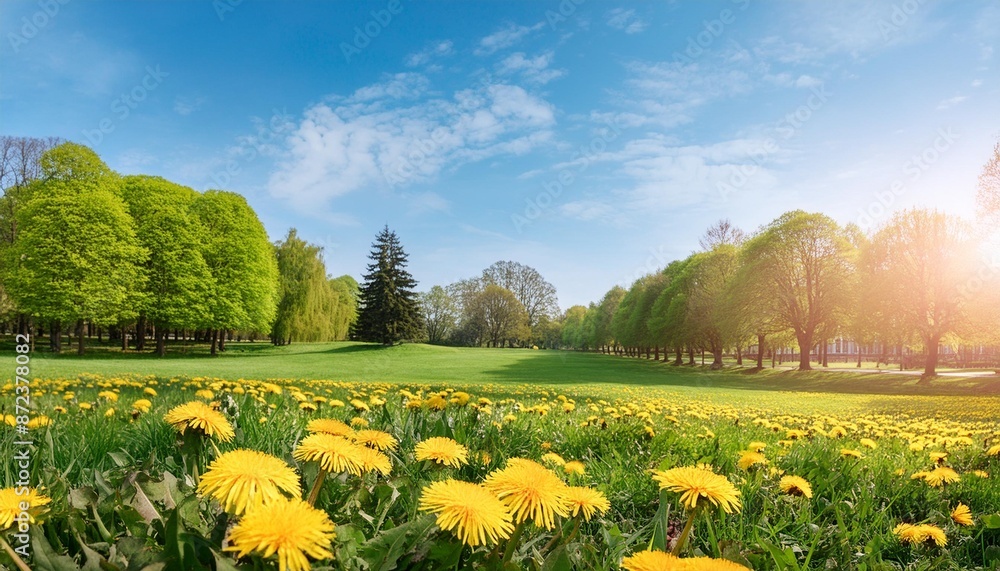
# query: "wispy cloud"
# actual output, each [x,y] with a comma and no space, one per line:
[626,21]
[186,105]
[505,37]
[532,70]
[393,134]
[951,102]
[429,54]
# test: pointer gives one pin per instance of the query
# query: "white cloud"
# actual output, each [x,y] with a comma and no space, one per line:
[625,20]
[951,102]
[391,134]
[656,175]
[977,83]
[533,70]
[423,57]
[505,37]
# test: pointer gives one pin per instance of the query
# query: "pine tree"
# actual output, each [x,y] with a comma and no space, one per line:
[388,308]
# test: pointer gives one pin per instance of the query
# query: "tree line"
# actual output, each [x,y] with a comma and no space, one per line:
[87,251]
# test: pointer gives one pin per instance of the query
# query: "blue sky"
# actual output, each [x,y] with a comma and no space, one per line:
[592,140]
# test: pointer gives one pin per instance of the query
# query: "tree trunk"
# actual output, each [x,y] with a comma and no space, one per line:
[214,339]
[805,346]
[680,356]
[739,356]
[716,358]
[859,356]
[760,353]
[826,351]
[691,356]
[124,338]
[79,337]
[54,337]
[161,342]
[656,353]
[140,333]
[930,366]
[222,340]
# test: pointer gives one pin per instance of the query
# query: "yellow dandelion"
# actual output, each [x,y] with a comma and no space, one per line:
[941,475]
[149,391]
[869,443]
[849,453]
[205,394]
[980,474]
[10,505]
[108,413]
[334,453]
[938,457]
[962,515]
[795,486]
[749,458]
[307,406]
[436,402]
[84,406]
[376,439]
[442,450]
[329,426]
[553,458]
[291,529]
[920,534]
[574,467]
[587,501]
[468,510]
[200,417]
[243,479]
[695,483]
[109,396]
[374,461]
[756,446]
[358,422]
[530,490]
[994,450]
[661,561]
[142,405]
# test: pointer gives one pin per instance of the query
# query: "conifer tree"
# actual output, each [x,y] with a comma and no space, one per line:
[388,310]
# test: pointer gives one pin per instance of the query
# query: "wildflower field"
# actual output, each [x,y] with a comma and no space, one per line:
[143,472]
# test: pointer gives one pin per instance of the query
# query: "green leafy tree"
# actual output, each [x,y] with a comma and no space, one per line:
[667,317]
[805,261]
[343,315]
[573,333]
[440,313]
[922,260]
[242,263]
[75,257]
[309,303]
[177,279]
[388,308]
[500,316]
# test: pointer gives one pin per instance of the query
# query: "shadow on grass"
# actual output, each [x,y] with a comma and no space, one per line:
[594,368]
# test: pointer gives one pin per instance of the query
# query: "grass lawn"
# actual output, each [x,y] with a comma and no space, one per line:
[416,363]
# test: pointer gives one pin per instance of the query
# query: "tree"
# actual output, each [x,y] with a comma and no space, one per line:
[922,260]
[440,314]
[529,287]
[988,195]
[242,262]
[388,308]
[806,262]
[573,333]
[667,320]
[20,166]
[176,278]
[722,233]
[342,317]
[500,316]
[606,309]
[308,302]
[704,280]
[75,256]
